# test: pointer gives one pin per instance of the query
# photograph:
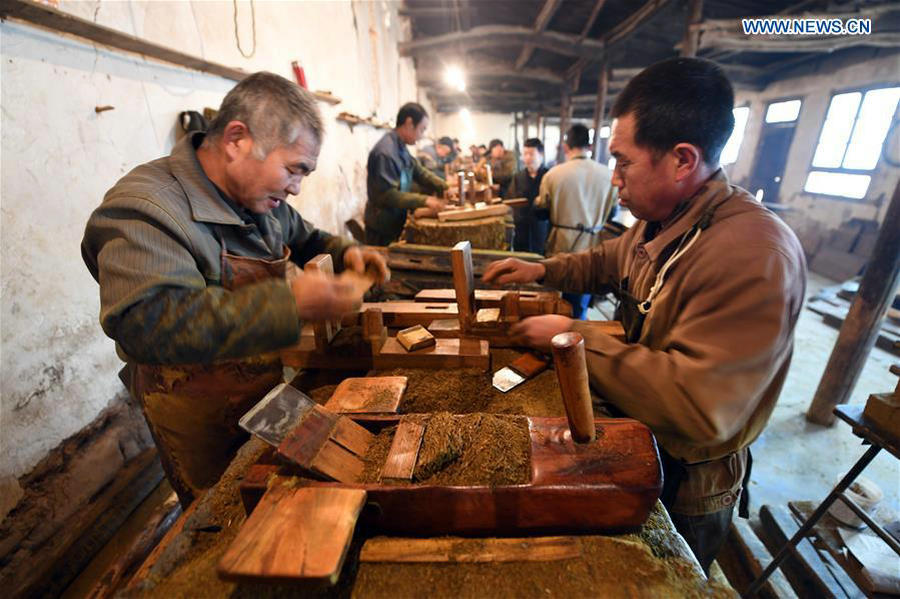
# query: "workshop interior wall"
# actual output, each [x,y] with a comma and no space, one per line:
[478,128]
[59,157]
[853,70]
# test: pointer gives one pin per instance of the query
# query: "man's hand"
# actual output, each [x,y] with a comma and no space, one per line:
[513,270]
[321,297]
[360,260]
[537,331]
[435,204]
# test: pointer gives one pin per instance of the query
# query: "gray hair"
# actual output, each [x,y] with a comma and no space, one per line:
[274,109]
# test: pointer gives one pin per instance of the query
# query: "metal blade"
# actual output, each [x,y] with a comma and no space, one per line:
[507,378]
[277,414]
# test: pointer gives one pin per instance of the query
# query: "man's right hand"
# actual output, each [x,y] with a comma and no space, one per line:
[321,297]
[435,204]
[513,270]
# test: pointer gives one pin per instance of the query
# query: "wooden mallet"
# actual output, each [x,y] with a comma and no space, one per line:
[571,369]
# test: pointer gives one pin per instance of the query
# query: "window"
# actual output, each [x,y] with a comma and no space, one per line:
[783,112]
[733,145]
[849,147]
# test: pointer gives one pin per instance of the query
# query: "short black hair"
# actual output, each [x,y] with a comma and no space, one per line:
[411,110]
[680,100]
[482,146]
[578,136]
[534,142]
[494,143]
[446,141]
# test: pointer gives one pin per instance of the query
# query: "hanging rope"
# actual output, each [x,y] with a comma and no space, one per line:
[237,37]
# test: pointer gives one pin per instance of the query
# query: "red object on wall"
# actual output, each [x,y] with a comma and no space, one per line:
[299,75]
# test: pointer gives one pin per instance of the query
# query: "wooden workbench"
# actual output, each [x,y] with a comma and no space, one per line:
[653,561]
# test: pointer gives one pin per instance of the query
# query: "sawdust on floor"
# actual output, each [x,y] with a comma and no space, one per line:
[470,449]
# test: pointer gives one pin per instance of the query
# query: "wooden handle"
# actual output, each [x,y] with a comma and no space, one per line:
[571,368]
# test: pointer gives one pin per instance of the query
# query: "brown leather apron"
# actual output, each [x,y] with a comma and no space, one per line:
[193,409]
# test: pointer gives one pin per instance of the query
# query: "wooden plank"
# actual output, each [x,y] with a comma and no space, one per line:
[781,526]
[491,550]
[471,213]
[528,365]
[401,459]
[303,443]
[325,330]
[757,557]
[351,436]
[446,353]
[299,534]
[464,283]
[373,394]
[337,463]
[406,314]
[415,337]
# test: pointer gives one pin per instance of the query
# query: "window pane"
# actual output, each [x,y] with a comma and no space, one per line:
[733,145]
[871,127]
[783,112]
[837,184]
[836,130]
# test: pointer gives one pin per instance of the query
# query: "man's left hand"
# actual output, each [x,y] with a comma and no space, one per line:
[537,331]
[360,260]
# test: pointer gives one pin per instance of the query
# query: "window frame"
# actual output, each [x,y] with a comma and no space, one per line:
[864,89]
[748,105]
[771,101]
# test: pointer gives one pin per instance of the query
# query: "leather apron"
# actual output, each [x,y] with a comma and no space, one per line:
[677,471]
[193,409]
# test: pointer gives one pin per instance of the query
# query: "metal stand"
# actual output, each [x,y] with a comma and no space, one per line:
[879,440]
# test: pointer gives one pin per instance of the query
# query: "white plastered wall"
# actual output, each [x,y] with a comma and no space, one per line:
[839,74]
[59,157]
[479,128]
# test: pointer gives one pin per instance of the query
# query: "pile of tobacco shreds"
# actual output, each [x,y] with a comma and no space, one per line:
[469,449]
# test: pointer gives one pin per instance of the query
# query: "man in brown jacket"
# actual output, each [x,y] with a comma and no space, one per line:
[192,253]
[710,285]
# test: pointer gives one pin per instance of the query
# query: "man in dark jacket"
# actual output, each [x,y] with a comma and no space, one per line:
[532,226]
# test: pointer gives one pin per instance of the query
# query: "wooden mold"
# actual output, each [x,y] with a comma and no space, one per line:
[609,484]
[415,337]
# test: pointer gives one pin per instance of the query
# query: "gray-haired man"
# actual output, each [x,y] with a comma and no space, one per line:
[192,253]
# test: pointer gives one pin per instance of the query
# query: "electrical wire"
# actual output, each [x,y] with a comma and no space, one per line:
[237,37]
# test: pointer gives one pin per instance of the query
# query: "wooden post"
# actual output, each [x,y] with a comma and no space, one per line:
[564,121]
[571,369]
[860,328]
[600,109]
[464,283]
[691,31]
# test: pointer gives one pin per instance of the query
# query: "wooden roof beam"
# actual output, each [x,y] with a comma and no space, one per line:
[598,6]
[488,36]
[497,70]
[540,24]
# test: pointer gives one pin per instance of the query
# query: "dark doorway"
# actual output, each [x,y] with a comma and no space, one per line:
[772,149]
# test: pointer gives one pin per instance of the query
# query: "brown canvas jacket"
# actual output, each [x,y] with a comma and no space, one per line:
[715,348]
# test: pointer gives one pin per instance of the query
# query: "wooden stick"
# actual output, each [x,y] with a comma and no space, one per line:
[571,369]
[464,283]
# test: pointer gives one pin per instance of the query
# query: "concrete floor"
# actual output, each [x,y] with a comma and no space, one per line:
[795,459]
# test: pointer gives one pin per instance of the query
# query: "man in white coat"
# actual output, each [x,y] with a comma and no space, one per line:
[576,194]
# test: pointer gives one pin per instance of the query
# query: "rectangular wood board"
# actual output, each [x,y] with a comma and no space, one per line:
[490,550]
[371,395]
[470,213]
[401,459]
[445,353]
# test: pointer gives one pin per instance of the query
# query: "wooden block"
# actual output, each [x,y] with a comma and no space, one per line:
[296,534]
[509,307]
[470,213]
[528,365]
[487,317]
[373,328]
[445,353]
[464,283]
[883,409]
[415,337]
[492,550]
[304,442]
[337,463]
[351,436]
[758,557]
[373,394]
[401,459]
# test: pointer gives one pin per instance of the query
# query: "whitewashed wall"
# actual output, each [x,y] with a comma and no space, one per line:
[479,128]
[816,90]
[59,157]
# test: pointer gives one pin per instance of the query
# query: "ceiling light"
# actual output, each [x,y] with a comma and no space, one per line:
[455,78]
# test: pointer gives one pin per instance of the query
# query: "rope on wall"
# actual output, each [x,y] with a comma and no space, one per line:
[237,37]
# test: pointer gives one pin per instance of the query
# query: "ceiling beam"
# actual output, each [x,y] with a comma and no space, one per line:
[619,33]
[487,36]
[598,6]
[430,73]
[540,24]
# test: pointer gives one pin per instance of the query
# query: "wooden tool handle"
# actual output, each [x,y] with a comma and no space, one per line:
[571,368]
